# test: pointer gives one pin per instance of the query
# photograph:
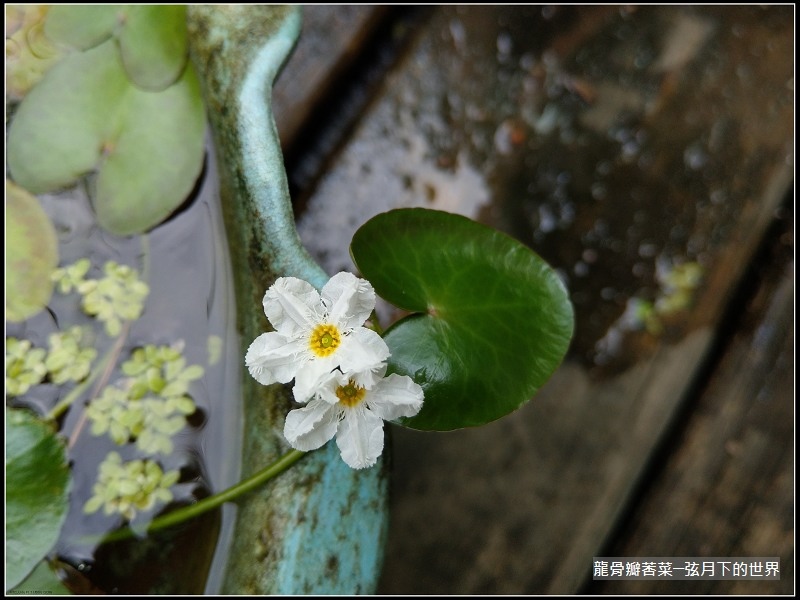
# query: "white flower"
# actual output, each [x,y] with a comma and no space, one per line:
[353,407]
[314,335]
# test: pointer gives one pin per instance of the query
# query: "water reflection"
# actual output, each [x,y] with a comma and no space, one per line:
[191,304]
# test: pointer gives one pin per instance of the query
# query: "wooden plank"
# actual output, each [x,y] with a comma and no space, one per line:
[617,144]
[727,487]
[330,40]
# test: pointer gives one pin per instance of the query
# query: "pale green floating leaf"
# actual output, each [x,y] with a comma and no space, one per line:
[42,580]
[152,38]
[215,346]
[84,27]
[62,125]
[155,161]
[31,254]
[185,405]
[192,372]
[174,388]
[25,366]
[173,368]
[147,146]
[153,44]
[37,492]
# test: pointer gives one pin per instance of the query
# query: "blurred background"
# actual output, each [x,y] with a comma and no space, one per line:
[647,154]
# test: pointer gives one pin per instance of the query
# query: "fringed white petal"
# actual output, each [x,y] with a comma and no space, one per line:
[311,376]
[362,350]
[360,437]
[395,396]
[326,386]
[350,300]
[308,428]
[271,358]
[293,306]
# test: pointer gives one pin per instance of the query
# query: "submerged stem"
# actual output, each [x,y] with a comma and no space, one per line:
[107,364]
[206,504]
[77,391]
[106,367]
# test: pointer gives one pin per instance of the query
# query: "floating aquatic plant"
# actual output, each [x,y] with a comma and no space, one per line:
[25,366]
[126,488]
[151,404]
[116,298]
[67,360]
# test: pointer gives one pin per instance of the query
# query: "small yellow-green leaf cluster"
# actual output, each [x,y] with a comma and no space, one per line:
[72,277]
[151,404]
[66,361]
[117,297]
[678,285]
[25,366]
[677,288]
[114,413]
[643,313]
[126,488]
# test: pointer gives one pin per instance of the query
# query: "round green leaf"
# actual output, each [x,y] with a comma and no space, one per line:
[37,492]
[83,26]
[31,254]
[493,321]
[153,44]
[147,146]
[152,166]
[42,580]
[60,127]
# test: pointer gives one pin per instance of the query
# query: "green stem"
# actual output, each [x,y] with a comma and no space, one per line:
[206,504]
[375,325]
[106,367]
[77,391]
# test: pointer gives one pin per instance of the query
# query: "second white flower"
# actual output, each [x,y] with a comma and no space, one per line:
[353,407]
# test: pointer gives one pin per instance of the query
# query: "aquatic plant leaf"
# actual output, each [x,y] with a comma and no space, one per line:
[156,158]
[84,26]
[53,142]
[153,44]
[492,321]
[147,146]
[29,52]
[31,254]
[152,39]
[37,492]
[42,580]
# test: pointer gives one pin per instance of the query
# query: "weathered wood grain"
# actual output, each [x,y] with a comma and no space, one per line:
[331,38]
[727,487]
[617,143]
[608,139]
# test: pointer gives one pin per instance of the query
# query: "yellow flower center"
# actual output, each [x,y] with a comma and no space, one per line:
[351,394]
[324,339]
